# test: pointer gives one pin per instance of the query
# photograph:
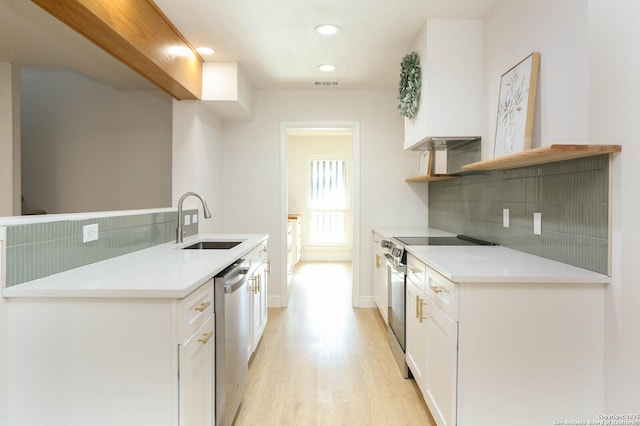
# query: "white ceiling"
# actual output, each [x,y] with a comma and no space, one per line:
[273,41]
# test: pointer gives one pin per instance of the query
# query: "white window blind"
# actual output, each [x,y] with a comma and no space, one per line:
[328,202]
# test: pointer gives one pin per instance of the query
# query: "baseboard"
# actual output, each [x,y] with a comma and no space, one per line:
[368,302]
[274,302]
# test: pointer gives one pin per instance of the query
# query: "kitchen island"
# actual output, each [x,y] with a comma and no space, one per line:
[164,271]
[127,341]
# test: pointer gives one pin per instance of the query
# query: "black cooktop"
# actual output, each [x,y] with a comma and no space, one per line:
[460,240]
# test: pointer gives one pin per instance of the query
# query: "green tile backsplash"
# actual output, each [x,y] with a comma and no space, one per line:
[573,197]
[37,250]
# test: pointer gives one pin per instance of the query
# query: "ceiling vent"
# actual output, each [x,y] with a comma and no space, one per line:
[326,83]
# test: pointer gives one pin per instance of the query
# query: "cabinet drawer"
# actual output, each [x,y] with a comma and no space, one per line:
[257,256]
[443,292]
[416,272]
[193,310]
[196,376]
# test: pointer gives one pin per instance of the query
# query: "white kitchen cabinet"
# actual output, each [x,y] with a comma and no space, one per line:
[380,286]
[450,53]
[432,341]
[257,288]
[505,353]
[112,361]
[296,238]
[264,286]
[441,364]
[259,305]
[197,377]
[416,335]
[289,251]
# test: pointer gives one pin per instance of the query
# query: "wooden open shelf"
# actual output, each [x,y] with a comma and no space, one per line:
[545,154]
[430,178]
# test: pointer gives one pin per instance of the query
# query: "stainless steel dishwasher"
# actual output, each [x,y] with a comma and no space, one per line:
[232,338]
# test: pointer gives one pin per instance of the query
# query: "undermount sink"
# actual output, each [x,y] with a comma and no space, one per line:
[212,245]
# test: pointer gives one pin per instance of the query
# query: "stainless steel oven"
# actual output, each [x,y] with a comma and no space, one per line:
[396,259]
[396,333]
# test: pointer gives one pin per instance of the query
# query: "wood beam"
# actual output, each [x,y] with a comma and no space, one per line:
[137,33]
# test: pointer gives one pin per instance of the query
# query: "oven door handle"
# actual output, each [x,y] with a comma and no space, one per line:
[391,264]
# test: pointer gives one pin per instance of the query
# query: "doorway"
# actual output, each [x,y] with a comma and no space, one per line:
[335,226]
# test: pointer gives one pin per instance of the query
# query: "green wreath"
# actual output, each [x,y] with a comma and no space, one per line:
[410,85]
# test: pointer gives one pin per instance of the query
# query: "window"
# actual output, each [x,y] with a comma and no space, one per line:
[328,202]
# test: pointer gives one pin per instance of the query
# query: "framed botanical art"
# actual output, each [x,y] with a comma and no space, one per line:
[516,103]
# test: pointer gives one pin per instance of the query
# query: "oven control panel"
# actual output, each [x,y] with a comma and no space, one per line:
[394,250]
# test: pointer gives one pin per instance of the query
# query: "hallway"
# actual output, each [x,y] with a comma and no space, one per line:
[322,362]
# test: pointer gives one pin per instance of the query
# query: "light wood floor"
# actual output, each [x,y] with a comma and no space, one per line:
[322,362]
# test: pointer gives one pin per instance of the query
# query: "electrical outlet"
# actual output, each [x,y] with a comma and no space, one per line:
[194,219]
[505,218]
[537,223]
[89,233]
[187,219]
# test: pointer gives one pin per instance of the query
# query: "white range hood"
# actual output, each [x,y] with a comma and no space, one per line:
[450,110]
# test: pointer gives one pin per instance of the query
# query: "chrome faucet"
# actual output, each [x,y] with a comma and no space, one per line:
[180,232]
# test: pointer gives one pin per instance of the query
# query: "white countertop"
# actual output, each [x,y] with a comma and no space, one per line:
[162,271]
[483,264]
[389,232]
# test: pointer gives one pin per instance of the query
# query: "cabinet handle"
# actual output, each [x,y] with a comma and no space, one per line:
[268,267]
[415,270]
[201,307]
[420,312]
[205,337]
[256,287]
[436,289]
[417,307]
[378,261]
[254,280]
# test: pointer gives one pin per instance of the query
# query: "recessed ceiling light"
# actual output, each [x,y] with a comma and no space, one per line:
[327,29]
[326,67]
[205,50]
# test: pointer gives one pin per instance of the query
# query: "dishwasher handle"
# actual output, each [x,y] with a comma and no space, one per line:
[237,281]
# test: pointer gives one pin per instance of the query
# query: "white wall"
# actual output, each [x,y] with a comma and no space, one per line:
[614,109]
[558,30]
[197,160]
[88,147]
[589,92]
[251,170]
[4,361]
[301,149]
